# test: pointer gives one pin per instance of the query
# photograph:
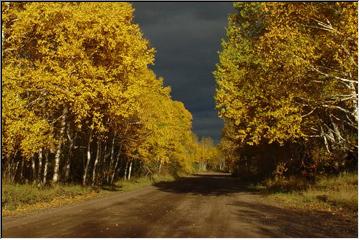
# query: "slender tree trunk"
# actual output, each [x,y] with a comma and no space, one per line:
[103,164]
[70,150]
[33,169]
[116,164]
[160,165]
[88,159]
[355,101]
[22,170]
[46,166]
[126,169]
[13,167]
[130,168]
[96,162]
[15,171]
[67,170]
[68,161]
[40,159]
[112,158]
[58,151]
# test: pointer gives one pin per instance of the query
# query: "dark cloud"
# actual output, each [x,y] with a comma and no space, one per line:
[186,36]
[207,124]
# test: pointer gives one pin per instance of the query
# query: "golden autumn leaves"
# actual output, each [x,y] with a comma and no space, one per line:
[267,65]
[77,87]
[287,73]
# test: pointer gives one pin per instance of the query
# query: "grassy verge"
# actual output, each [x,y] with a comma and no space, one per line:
[142,182]
[334,194]
[23,198]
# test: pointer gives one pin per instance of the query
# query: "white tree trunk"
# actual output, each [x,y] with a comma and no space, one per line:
[126,169]
[69,155]
[58,151]
[33,168]
[116,164]
[96,162]
[14,172]
[40,159]
[355,102]
[67,170]
[112,158]
[46,166]
[130,168]
[160,165]
[88,158]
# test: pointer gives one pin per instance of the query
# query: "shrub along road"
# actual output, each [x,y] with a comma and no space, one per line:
[199,206]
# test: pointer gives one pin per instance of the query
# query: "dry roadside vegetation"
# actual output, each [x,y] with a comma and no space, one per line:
[336,194]
[26,198]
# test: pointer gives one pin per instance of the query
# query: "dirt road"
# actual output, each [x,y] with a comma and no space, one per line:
[198,206]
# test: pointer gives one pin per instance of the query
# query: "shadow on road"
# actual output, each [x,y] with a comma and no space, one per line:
[281,222]
[206,184]
[259,218]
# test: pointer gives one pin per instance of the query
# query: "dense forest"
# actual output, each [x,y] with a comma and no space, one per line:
[287,89]
[80,102]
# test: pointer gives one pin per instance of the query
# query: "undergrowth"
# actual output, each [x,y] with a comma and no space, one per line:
[22,198]
[332,193]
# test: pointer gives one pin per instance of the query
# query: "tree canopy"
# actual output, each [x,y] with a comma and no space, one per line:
[80,102]
[287,74]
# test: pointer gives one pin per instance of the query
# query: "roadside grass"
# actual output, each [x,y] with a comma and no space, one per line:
[136,183]
[332,193]
[23,198]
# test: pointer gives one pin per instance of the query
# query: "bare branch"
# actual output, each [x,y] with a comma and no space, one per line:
[327,26]
[337,107]
[325,140]
[338,78]
[303,116]
[57,119]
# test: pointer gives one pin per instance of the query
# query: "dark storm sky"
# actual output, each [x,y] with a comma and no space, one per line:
[186,36]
